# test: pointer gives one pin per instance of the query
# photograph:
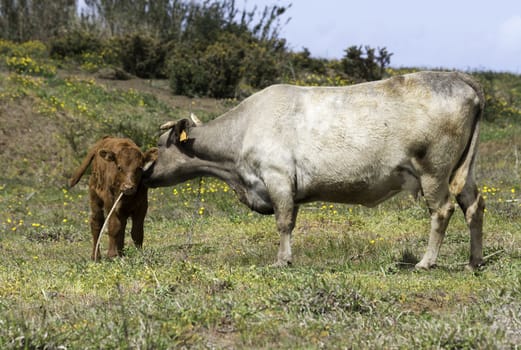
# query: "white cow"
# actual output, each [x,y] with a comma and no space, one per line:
[360,144]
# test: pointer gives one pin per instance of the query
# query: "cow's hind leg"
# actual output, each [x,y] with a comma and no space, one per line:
[437,195]
[472,204]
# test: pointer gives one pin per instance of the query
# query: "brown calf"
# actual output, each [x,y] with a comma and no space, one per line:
[117,166]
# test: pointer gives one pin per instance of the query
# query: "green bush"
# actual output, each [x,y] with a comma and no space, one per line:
[302,61]
[364,64]
[214,72]
[497,108]
[218,69]
[261,65]
[187,76]
[142,56]
[222,62]
[33,48]
[503,92]
[74,43]
[26,65]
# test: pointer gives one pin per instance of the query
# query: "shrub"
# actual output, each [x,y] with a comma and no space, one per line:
[222,62]
[187,76]
[31,48]
[74,43]
[214,72]
[26,65]
[261,65]
[364,64]
[497,108]
[302,61]
[142,56]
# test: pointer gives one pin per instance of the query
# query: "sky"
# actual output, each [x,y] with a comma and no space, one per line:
[452,34]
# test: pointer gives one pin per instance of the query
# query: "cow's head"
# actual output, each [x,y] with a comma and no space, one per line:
[174,150]
[129,163]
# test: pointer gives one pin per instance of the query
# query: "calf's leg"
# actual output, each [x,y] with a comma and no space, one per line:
[97,218]
[117,226]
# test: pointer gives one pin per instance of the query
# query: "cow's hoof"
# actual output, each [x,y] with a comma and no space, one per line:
[424,266]
[474,266]
[281,264]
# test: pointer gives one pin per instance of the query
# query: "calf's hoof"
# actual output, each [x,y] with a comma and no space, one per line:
[96,257]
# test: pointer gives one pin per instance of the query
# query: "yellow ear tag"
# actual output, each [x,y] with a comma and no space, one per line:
[183,137]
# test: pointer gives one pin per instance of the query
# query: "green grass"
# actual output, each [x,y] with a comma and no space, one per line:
[203,278]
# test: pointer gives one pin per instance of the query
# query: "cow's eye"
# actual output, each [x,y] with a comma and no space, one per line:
[119,168]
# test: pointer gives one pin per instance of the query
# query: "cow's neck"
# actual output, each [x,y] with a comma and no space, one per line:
[194,167]
[218,141]
[214,150]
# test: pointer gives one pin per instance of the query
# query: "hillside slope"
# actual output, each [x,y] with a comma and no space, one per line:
[47,124]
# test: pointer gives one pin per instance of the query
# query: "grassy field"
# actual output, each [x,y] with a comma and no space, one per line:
[203,278]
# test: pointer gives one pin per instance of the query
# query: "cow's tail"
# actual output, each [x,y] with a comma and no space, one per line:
[466,163]
[82,168]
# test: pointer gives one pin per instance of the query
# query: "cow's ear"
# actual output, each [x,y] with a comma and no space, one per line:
[181,129]
[109,156]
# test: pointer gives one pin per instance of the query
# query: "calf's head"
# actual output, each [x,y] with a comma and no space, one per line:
[128,164]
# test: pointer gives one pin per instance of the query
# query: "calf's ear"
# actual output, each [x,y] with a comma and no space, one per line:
[109,156]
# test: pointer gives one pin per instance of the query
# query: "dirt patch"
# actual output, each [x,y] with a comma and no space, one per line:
[435,302]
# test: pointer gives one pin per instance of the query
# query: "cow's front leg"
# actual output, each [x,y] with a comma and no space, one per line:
[281,193]
[137,231]
[138,219]
[285,224]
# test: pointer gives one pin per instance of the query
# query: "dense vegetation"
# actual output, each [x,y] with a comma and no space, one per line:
[207,48]
[203,278]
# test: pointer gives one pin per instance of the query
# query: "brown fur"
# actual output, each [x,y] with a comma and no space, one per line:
[117,166]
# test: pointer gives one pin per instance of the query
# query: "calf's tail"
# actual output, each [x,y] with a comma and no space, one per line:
[82,168]
[466,163]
